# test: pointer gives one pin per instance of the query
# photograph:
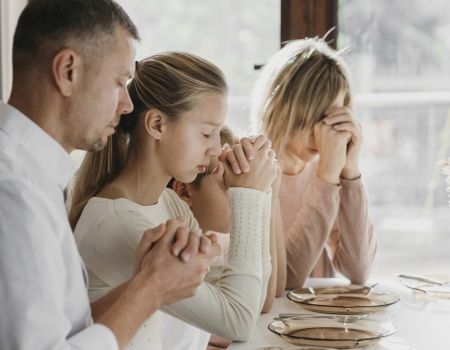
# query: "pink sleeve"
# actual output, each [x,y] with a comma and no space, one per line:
[355,248]
[306,237]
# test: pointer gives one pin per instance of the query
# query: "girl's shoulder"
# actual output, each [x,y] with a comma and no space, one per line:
[121,214]
[175,203]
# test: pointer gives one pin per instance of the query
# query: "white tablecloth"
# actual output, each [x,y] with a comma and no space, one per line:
[423,324]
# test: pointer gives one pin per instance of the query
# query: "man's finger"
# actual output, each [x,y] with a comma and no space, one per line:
[181,240]
[172,226]
[205,244]
[191,247]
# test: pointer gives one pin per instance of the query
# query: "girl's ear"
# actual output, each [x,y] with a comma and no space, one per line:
[182,190]
[154,122]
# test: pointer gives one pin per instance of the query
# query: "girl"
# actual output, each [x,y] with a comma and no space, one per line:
[207,199]
[302,102]
[173,132]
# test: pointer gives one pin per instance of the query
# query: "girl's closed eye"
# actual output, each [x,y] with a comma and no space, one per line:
[210,133]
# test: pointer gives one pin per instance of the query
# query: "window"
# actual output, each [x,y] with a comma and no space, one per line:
[233,34]
[401,74]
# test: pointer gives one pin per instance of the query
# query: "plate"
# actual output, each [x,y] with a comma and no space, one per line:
[290,348]
[330,333]
[345,300]
[434,288]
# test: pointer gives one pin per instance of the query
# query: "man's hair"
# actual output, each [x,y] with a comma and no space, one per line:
[46,26]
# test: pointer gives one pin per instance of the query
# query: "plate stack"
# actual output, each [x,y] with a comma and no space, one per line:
[337,317]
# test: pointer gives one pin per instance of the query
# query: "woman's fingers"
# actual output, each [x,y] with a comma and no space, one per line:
[230,157]
[258,141]
[241,158]
[237,159]
[337,119]
[354,129]
[271,154]
[247,146]
[338,115]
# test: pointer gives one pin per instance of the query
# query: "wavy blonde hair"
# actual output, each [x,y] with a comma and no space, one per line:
[168,82]
[296,87]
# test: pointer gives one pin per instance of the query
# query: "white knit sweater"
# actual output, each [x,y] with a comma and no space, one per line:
[108,234]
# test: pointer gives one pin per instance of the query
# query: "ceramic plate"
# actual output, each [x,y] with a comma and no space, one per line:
[344,300]
[330,333]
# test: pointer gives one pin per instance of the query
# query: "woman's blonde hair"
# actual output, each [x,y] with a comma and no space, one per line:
[296,87]
[168,82]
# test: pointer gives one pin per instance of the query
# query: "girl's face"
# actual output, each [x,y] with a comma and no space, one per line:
[303,146]
[193,139]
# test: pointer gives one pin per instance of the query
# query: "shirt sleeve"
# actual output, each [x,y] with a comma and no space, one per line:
[32,279]
[355,248]
[307,236]
[229,308]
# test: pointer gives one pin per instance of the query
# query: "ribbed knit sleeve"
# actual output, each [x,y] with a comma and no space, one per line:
[229,308]
[265,246]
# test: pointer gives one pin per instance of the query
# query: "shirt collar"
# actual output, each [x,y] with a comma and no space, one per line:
[49,154]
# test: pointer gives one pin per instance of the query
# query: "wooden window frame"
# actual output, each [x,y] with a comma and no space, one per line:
[309,18]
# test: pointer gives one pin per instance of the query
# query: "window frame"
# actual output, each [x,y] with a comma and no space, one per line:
[309,18]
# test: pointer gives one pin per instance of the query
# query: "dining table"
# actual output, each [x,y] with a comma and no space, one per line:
[422,322]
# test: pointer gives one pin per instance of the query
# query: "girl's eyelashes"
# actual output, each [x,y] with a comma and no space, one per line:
[209,133]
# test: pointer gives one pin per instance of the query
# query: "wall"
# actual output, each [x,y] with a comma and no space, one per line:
[9,13]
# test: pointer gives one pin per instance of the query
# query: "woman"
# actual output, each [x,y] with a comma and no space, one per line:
[302,102]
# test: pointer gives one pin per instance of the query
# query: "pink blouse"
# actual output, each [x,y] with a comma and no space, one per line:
[326,228]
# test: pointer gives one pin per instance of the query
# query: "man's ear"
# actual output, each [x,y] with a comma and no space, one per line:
[182,190]
[66,66]
[155,123]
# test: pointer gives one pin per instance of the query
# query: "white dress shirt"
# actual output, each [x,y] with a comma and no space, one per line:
[43,293]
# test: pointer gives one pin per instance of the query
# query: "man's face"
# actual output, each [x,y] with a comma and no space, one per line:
[101,95]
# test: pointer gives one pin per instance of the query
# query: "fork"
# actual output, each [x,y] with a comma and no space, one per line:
[424,279]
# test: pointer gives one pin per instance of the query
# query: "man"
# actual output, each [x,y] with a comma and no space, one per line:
[71,61]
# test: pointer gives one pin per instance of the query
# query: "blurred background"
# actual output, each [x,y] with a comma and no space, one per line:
[399,58]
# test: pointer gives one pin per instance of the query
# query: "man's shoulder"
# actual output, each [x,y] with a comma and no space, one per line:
[17,164]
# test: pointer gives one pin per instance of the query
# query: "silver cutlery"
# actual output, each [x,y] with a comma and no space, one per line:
[424,279]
